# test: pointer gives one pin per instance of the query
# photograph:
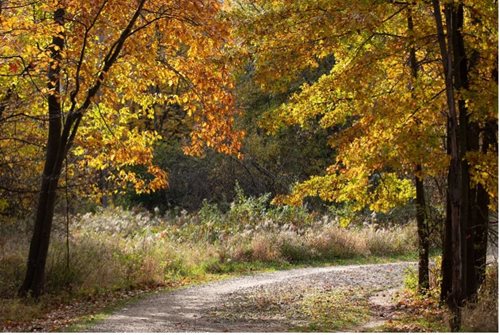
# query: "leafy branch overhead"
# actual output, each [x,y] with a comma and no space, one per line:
[384,120]
[106,77]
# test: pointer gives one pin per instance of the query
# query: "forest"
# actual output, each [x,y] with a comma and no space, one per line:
[252,165]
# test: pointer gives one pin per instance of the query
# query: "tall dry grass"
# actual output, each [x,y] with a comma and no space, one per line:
[116,248]
[482,315]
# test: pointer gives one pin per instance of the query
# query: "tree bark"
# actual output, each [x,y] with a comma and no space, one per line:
[423,235]
[466,230]
[457,198]
[33,282]
[422,229]
[478,227]
[447,254]
[468,140]
[484,140]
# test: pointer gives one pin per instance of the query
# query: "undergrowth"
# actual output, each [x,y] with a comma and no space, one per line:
[426,313]
[115,249]
[482,315]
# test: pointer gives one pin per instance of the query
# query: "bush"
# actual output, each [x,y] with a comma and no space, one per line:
[411,280]
[335,242]
[292,248]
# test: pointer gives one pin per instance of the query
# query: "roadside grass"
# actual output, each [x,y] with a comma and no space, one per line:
[482,316]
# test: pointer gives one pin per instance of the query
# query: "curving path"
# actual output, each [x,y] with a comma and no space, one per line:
[256,303]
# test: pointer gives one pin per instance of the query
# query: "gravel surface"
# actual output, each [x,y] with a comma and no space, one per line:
[268,302]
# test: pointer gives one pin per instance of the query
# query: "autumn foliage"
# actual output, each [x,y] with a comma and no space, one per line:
[95,69]
[401,96]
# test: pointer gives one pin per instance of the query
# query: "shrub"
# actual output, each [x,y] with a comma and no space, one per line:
[293,248]
[335,242]
[264,248]
[411,279]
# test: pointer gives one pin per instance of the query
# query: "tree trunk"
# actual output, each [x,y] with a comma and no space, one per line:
[423,235]
[422,229]
[476,222]
[457,196]
[478,242]
[473,225]
[447,256]
[33,282]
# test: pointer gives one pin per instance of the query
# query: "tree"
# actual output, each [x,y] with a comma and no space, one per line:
[380,110]
[87,61]
[464,257]
[421,217]
[271,162]
[403,104]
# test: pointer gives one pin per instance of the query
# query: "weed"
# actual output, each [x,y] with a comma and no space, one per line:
[338,309]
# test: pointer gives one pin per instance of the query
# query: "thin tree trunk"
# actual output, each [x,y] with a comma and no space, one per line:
[422,229]
[447,256]
[473,224]
[482,138]
[33,282]
[479,238]
[423,235]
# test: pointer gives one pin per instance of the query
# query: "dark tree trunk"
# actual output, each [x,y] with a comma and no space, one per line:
[473,226]
[457,196]
[479,209]
[467,208]
[468,140]
[33,282]
[422,229]
[447,257]
[423,235]
[482,138]
[476,198]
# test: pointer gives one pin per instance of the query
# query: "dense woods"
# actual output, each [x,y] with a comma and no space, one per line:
[306,130]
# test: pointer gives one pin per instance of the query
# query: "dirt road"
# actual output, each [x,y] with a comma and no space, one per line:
[258,303]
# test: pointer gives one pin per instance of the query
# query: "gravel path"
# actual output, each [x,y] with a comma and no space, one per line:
[258,303]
